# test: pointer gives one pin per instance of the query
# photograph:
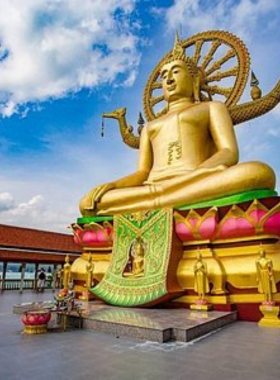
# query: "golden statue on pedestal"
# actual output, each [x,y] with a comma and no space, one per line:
[188,151]
[267,286]
[201,282]
[188,161]
[265,278]
[90,269]
[66,273]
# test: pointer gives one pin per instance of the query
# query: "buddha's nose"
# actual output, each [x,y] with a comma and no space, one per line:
[170,80]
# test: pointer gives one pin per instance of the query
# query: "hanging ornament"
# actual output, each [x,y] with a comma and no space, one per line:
[102,127]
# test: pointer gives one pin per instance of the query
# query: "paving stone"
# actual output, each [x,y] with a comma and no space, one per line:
[239,351]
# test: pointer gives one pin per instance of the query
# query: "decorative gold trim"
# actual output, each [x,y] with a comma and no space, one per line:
[194,228]
[35,329]
[228,299]
[230,241]
[197,242]
[97,249]
[270,316]
[201,307]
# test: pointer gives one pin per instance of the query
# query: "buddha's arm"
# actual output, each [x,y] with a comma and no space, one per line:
[221,130]
[144,165]
[135,179]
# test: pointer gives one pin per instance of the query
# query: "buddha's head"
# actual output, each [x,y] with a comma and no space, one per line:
[138,248]
[180,76]
[261,252]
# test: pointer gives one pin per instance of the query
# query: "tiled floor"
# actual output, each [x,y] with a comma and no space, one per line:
[239,351]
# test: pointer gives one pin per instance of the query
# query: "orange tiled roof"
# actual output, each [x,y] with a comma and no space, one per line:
[28,238]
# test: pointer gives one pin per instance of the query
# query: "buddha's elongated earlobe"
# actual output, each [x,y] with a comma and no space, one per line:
[196,88]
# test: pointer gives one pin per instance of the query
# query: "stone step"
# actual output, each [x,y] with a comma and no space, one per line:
[157,325]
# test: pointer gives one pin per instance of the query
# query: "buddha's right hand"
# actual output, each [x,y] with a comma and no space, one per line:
[95,195]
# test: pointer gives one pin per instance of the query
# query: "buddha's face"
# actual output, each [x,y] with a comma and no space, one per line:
[177,81]
[139,250]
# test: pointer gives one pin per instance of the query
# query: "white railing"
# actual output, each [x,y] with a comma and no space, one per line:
[9,284]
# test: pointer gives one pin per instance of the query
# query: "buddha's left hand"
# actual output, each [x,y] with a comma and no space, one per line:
[95,195]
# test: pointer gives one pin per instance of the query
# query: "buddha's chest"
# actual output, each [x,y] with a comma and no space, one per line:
[177,135]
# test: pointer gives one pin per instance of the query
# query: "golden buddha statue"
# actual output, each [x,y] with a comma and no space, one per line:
[66,273]
[187,155]
[89,269]
[265,278]
[201,282]
[137,260]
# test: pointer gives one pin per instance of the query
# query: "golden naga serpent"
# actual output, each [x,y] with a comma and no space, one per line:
[224,64]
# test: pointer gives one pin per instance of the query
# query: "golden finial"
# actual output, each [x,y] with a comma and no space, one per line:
[254,79]
[256,92]
[178,51]
[177,39]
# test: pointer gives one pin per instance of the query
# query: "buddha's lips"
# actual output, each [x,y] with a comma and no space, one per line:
[172,87]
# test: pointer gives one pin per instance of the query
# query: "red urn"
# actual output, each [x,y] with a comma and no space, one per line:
[35,321]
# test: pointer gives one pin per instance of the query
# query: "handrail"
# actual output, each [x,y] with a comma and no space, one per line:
[10,284]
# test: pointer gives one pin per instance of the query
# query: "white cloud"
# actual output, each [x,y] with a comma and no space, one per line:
[52,47]
[200,15]
[70,167]
[27,208]
[9,206]
[37,212]
[7,202]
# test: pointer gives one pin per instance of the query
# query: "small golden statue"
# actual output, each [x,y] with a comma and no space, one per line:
[267,286]
[201,284]
[135,267]
[89,268]
[265,278]
[66,273]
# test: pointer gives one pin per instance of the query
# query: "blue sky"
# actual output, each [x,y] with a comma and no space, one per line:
[64,62]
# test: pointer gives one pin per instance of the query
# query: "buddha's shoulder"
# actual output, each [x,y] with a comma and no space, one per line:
[152,124]
[214,104]
[211,104]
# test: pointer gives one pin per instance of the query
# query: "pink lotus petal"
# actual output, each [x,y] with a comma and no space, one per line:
[89,237]
[101,237]
[183,232]
[272,225]
[208,228]
[257,214]
[193,221]
[236,227]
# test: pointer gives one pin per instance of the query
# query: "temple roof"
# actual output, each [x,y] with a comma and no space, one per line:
[33,239]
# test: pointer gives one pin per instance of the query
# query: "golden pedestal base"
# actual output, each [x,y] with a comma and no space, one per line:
[201,306]
[270,318]
[35,329]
